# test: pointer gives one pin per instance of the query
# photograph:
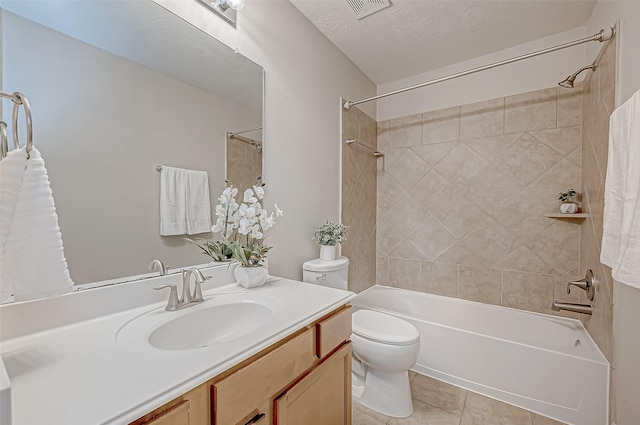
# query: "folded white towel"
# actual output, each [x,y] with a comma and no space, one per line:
[198,203]
[32,263]
[185,207]
[621,220]
[173,201]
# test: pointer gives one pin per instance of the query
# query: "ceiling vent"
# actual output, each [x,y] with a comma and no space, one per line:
[364,8]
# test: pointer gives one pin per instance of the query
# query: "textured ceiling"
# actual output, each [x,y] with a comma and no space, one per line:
[415,36]
[146,33]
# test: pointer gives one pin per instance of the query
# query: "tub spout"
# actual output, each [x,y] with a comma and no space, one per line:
[577,308]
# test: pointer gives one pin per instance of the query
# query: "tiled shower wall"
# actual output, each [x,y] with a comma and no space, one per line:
[462,198]
[244,164]
[598,104]
[359,198]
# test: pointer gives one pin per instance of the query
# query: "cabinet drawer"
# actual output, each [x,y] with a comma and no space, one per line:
[236,396]
[333,331]
[261,416]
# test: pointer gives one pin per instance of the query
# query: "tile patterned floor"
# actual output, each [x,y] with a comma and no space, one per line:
[438,403]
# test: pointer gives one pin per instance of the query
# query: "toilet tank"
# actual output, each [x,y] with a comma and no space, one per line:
[334,274]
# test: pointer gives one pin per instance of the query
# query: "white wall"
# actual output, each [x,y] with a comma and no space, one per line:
[305,75]
[520,77]
[626,299]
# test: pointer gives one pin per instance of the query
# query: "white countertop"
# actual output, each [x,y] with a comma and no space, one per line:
[79,373]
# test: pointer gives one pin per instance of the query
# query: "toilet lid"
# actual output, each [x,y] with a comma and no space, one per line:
[383,328]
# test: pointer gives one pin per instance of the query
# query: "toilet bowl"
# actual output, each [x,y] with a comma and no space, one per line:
[384,349]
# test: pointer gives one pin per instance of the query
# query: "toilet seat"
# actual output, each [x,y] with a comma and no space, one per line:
[383,328]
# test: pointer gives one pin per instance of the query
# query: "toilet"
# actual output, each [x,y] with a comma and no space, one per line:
[384,347]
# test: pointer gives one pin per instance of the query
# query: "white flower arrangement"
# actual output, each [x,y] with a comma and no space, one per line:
[331,234]
[242,226]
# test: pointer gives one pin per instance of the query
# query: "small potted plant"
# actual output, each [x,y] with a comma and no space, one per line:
[329,236]
[218,251]
[568,205]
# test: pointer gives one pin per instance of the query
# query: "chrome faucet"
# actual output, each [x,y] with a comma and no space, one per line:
[158,266]
[187,295]
[588,285]
[188,298]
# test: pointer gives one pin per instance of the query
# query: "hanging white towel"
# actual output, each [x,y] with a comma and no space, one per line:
[185,207]
[173,201]
[621,220]
[32,261]
[198,203]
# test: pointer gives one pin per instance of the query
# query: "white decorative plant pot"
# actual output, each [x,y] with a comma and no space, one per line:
[251,277]
[568,208]
[328,252]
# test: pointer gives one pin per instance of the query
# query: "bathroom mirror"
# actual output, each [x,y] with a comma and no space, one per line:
[117,88]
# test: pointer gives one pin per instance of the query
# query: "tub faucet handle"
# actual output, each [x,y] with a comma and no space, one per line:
[585,284]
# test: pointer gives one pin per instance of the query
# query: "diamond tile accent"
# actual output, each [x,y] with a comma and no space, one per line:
[408,169]
[432,238]
[433,153]
[461,164]
[562,140]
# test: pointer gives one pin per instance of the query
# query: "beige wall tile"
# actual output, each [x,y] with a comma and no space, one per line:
[432,238]
[527,291]
[528,158]
[383,135]
[522,259]
[408,251]
[480,284]
[558,246]
[408,169]
[569,107]
[530,111]
[388,235]
[562,140]
[491,242]
[405,131]
[492,148]
[441,126]
[382,270]
[576,156]
[403,271]
[461,164]
[459,254]
[482,119]
[434,152]
[439,279]
[557,179]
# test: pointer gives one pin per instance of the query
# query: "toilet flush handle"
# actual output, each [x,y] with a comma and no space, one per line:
[322,277]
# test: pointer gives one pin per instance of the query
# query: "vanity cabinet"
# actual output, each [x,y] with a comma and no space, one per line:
[303,379]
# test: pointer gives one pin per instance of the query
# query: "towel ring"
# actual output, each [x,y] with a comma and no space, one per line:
[21,99]
[4,143]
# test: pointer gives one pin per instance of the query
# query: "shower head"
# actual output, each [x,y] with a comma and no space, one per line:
[568,82]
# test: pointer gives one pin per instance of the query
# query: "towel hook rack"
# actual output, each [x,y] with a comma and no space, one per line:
[20,99]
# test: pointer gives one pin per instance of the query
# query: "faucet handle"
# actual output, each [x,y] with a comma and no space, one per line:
[585,284]
[172,304]
[159,266]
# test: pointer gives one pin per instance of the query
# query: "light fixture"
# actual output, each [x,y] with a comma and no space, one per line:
[226,9]
[226,4]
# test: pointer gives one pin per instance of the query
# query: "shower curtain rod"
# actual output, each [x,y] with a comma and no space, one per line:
[234,133]
[601,36]
[256,143]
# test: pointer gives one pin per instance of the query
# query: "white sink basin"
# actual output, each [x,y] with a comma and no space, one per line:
[219,320]
[213,325]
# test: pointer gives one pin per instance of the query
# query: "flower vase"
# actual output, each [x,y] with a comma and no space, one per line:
[568,208]
[250,277]
[328,252]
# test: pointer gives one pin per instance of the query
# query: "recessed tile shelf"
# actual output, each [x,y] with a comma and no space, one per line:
[560,215]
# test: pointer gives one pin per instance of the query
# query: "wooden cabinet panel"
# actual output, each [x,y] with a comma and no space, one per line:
[323,397]
[333,331]
[237,395]
[177,415]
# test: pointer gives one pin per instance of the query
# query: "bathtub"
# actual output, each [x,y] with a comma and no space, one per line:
[542,363]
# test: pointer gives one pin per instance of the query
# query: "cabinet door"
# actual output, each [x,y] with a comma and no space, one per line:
[323,397]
